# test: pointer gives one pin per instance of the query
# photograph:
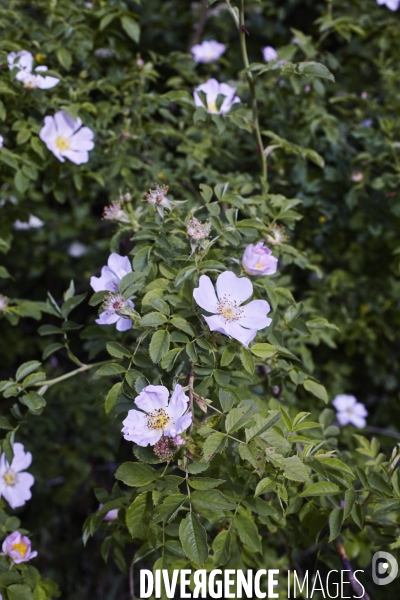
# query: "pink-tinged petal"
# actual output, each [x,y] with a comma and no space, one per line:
[242,335]
[22,459]
[181,424]
[13,497]
[254,315]
[107,318]
[41,69]
[205,295]
[152,397]
[77,157]
[123,324]
[216,323]
[344,401]
[120,265]
[83,139]
[46,83]
[22,59]
[359,410]
[48,135]
[135,429]
[236,289]
[211,88]
[357,421]
[65,124]
[178,403]
[343,417]
[108,280]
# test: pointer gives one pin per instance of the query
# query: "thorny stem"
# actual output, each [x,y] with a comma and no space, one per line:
[50,382]
[347,566]
[252,87]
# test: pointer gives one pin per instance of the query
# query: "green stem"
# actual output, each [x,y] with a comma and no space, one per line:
[252,87]
[71,374]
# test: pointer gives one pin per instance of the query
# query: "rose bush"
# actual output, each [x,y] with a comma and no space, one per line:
[185,164]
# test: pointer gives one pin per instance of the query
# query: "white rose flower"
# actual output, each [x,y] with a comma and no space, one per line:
[66,138]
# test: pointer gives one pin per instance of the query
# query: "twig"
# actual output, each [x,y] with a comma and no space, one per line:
[386,432]
[199,27]
[357,587]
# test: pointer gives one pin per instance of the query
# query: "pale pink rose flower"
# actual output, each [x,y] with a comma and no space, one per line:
[229,316]
[1,141]
[23,60]
[112,515]
[15,483]
[208,51]
[66,138]
[258,260]
[212,89]
[269,53]
[348,410]
[391,4]
[160,416]
[18,547]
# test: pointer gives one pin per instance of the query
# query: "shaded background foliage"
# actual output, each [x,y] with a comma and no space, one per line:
[116,82]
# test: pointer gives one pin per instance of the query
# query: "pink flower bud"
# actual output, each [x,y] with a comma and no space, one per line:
[258,260]
[18,547]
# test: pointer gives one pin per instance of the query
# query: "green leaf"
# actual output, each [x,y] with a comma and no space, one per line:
[226,399]
[159,345]
[227,356]
[19,591]
[193,538]
[264,485]
[182,324]
[204,483]
[349,499]
[294,469]
[314,69]
[168,510]
[153,319]
[109,370]
[71,303]
[263,350]
[131,27]
[21,182]
[206,192]
[27,368]
[262,424]
[335,523]
[247,360]
[64,58]
[214,443]
[112,397]
[169,359]
[117,350]
[205,500]
[135,474]
[138,516]
[51,349]
[317,389]
[322,488]
[4,274]
[238,417]
[4,423]
[248,532]
[222,548]
[33,401]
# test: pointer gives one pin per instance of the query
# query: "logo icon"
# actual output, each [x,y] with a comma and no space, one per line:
[384,568]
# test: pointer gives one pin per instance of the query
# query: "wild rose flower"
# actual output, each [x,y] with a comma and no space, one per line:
[258,260]
[18,547]
[32,223]
[66,138]
[160,418]
[230,317]
[15,483]
[112,515]
[269,53]
[76,249]
[117,311]
[207,51]
[23,60]
[1,141]
[348,410]
[212,90]
[3,303]
[392,4]
[114,212]
[111,275]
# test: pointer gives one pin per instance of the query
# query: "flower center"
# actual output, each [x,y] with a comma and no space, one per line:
[62,143]
[212,107]
[259,264]
[21,548]
[9,478]
[229,309]
[157,419]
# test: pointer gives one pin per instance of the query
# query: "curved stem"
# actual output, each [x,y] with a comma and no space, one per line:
[252,87]
[50,382]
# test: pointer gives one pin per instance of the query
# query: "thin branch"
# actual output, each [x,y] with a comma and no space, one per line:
[199,27]
[386,432]
[357,587]
[70,374]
